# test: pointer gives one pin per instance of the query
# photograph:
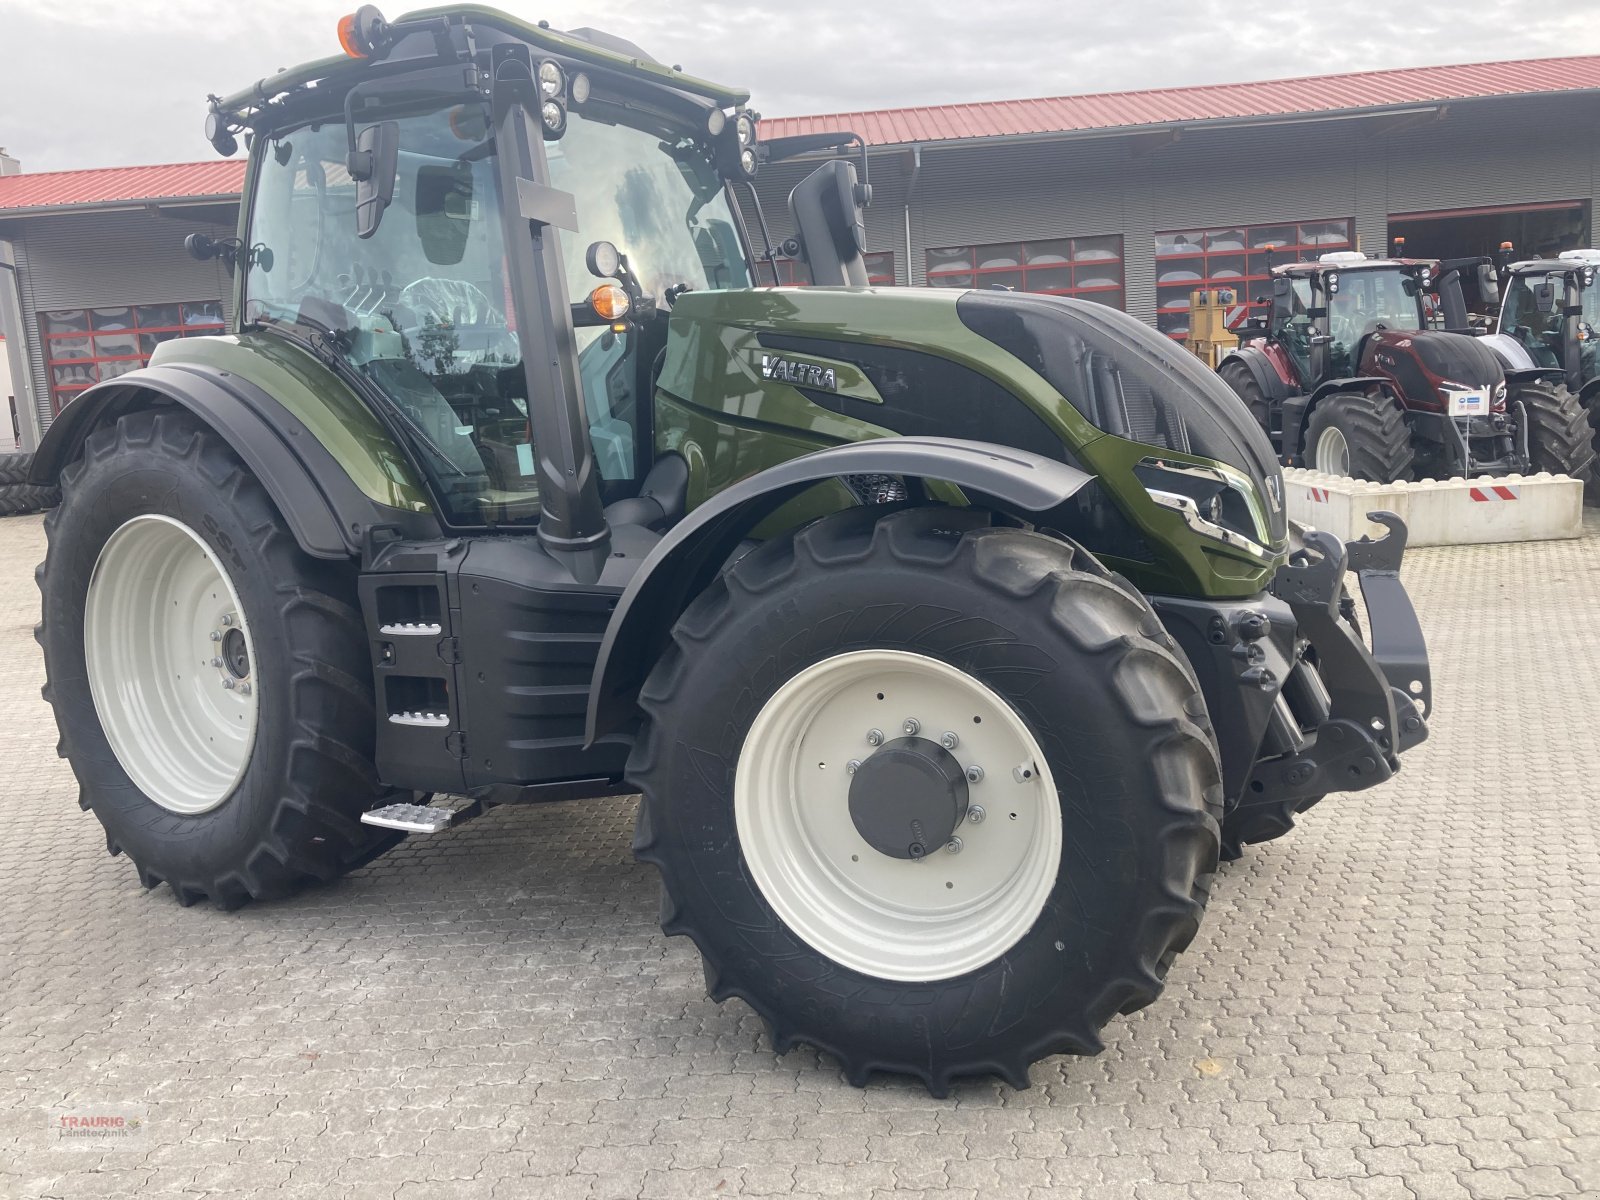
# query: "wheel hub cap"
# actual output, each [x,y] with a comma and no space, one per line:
[909,798]
[829,814]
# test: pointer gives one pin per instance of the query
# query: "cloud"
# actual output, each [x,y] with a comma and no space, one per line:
[102,83]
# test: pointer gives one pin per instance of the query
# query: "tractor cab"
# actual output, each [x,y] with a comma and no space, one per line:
[1552,311]
[1323,311]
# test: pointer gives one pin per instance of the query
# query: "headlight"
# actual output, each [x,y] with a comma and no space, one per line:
[552,81]
[716,119]
[747,129]
[554,118]
[1216,503]
[747,161]
[580,89]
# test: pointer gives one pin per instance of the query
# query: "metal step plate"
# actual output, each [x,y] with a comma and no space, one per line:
[413,818]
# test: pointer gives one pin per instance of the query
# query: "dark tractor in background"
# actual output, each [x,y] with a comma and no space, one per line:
[948,637]
[1549,318]
[1350,374]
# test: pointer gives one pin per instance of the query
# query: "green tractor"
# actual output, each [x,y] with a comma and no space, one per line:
[1549,319]
[949,637]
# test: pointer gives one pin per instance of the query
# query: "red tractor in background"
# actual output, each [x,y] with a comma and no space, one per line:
[1351,373]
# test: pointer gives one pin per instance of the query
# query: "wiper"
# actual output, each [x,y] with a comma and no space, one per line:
[327,344]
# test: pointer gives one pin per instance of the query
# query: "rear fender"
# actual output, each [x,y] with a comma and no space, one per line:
[1261,370]
[328,515]
[688,558]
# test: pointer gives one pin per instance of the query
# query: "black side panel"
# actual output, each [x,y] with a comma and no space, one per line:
[528,652]
[482,651]
[925,396]
[327,513]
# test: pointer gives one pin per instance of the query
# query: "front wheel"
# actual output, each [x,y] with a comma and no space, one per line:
[209,680]
[1560,438]
[936,797]
[1362,436]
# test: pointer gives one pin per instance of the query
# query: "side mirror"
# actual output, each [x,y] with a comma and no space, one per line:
[1544,296]
[373,165]
[1488,284]
[1322,339]
[827,210]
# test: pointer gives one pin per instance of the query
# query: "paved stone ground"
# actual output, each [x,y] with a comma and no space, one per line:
[1397,1001]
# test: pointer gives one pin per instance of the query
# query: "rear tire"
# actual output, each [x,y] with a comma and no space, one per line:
[17,495]
[1041,637]
[1238,377]
[282,811]
[1560,438]
[1362,436]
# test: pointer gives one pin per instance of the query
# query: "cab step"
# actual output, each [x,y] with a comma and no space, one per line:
[412,818]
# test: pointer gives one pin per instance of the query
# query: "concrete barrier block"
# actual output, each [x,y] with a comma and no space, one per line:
[1441,512]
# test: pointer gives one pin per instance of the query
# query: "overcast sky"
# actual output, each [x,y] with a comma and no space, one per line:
[88,83]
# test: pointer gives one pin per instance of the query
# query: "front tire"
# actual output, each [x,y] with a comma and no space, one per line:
[1070,898]
[233,767]
[1362,436]
[1560,438]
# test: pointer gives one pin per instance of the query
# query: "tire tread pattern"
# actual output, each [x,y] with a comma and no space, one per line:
[1138,660]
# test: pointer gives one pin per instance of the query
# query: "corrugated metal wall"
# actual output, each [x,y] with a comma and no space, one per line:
[1475,153]
[103,259]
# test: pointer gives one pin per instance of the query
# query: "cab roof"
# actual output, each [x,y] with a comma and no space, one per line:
[1569,260]
[587,46]
[1329,263]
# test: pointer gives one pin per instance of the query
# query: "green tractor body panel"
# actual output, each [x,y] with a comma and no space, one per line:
[334,415]
[753,378]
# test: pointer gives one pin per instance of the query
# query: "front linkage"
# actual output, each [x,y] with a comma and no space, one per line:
[1373,696]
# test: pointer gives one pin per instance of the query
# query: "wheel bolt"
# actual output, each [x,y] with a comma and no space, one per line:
[850,767]
[244,689]
[227,619]
[215,636]
[975,814]
[953,845]
[975,774]
[228,684]
[216,662]
[912,727]
[874,737]
[949,741]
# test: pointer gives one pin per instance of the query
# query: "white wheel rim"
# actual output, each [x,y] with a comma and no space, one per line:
[1333,452]
[162,630]
[893,918]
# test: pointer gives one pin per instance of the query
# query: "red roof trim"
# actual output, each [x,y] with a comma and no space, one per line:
[219,179]
[1324,94]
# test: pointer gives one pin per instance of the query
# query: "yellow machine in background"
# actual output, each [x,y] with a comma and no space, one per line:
[1209,335]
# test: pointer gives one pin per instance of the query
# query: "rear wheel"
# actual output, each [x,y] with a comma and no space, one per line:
[935,797]
[17,495]
[209,680]
[1362,436]
[1237,376]
[1560,438]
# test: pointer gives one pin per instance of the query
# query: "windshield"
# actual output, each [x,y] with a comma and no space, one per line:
[1366,299]
[422,309]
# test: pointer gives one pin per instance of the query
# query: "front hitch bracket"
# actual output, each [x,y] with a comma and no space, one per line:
[1373,694]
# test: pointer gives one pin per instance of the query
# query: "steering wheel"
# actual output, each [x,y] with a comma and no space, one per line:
[433,301]
[452,300]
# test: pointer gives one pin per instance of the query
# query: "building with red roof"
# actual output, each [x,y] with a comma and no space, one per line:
[1129,198]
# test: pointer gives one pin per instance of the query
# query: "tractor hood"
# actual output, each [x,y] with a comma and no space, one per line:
[1129,381]
[1427,364]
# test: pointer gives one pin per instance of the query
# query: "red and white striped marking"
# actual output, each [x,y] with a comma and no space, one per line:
[1318,495]
[1499,491]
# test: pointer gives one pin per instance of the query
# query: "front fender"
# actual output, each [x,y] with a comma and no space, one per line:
[688,558]
[327,513]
